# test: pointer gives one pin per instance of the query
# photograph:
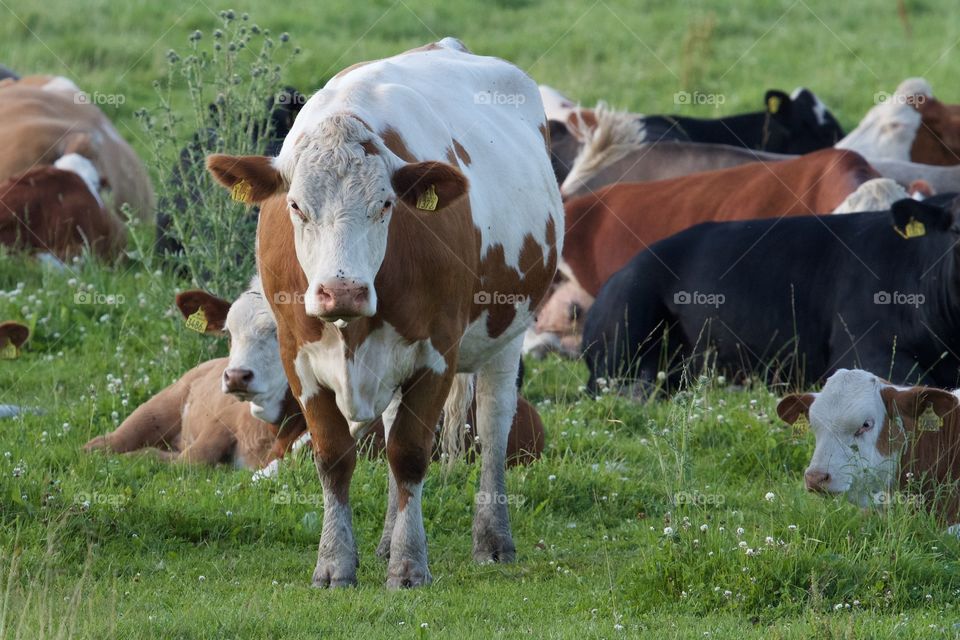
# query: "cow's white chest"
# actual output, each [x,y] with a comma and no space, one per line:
[363,383]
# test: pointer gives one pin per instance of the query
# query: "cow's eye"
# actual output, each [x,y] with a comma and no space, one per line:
[386,205]
[866,426]
[295,209]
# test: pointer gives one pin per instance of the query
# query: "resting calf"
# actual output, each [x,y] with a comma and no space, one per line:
[872,436]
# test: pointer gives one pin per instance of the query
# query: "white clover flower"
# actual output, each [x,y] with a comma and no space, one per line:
[770,496]
[704,528]
[739,531]
[668,531]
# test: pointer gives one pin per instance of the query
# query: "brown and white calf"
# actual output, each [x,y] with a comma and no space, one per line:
[419,231]
[12,337]
[200,418]
[873,437]
[57,209]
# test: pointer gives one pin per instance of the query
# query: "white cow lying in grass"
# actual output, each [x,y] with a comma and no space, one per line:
[873,437]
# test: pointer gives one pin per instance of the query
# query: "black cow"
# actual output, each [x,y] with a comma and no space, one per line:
[183,182]
[795,124]
[6,72]
[790,299]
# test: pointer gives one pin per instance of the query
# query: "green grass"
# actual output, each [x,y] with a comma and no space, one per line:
[202,553]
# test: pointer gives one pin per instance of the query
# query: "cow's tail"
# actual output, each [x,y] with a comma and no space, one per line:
[456,410]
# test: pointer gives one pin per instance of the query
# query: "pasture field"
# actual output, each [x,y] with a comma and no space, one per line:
[682,518]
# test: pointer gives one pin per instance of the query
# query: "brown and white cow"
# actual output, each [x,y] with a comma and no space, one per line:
[58,209]
[200,419]
[421,229]
[873,437]
[44,120]
[607,228]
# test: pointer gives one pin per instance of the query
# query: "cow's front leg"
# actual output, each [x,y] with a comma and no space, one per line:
[496,406]
[389,521]
[335,457]
[409,446]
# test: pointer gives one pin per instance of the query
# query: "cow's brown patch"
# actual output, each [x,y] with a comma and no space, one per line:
[394,141]
[461,153]
[938,137]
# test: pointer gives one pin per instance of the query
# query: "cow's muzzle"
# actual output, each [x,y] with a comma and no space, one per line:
[343,301]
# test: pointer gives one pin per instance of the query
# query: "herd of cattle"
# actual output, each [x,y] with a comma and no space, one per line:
[427,219]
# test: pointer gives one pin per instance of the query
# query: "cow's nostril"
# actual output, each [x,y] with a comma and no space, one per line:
[816,480]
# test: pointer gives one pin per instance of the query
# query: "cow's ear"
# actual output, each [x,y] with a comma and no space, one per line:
[778,104]
[250,178]
[214,309]
[795,405]
[913,218]
[913,402]
[13,333]
[429,186]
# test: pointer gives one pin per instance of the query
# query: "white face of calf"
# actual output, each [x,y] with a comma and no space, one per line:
[860,424]
[255,372]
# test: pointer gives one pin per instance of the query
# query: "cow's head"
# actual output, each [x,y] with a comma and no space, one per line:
[861,425]
[810,124]
[254,372]
[343,185]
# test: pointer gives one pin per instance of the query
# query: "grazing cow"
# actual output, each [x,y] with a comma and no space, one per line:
[938,137]
[205,417]
[58,209]
[39,124]
[559,321]
[422,229]
[605,229]
[792,298]
[185,185]
[873,437]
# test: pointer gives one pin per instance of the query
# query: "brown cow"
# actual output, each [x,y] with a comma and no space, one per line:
[606,229]
[58,210]
[45,119]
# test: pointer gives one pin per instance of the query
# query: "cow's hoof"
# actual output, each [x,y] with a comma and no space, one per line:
[331,574]
[407,574]
[494,548]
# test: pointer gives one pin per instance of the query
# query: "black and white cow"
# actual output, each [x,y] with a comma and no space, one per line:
[790,298]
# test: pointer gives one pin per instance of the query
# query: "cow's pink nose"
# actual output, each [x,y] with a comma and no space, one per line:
[816,480]
[339,300]
[237,380]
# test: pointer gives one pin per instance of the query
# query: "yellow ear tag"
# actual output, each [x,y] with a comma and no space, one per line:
[241,191]
[428,200]
[773,104]
[913,229]
[801,425]
[197,321]
[9,351]
[929,420]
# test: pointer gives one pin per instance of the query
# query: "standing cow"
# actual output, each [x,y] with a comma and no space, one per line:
[422,229]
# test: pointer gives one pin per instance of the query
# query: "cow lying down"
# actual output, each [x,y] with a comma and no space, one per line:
[873,437]
[12,337]
[213,414]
